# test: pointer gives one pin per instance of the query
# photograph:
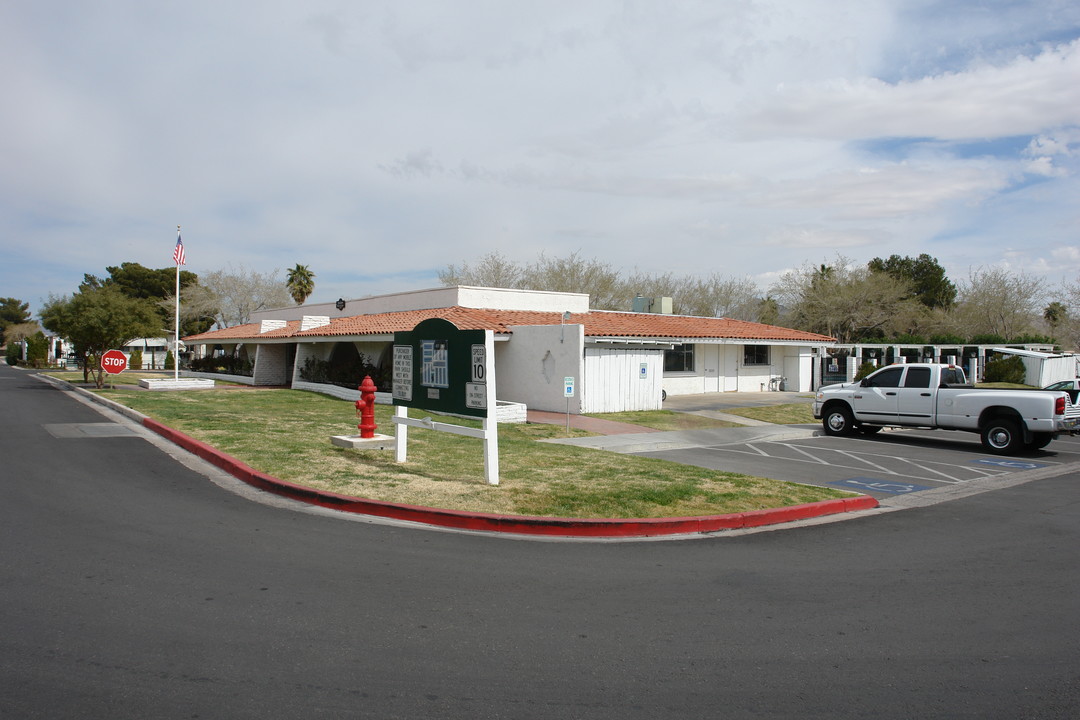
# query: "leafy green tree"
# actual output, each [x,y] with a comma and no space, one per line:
[929,284]
[1055,314]
[301,283]
[12,312]
[99,319]
[139,282]
[768,311]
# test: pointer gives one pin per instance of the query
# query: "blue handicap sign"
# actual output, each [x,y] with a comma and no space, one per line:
[894,487]
[1010,464]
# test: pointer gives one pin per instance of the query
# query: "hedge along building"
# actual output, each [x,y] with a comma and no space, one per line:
[619,361]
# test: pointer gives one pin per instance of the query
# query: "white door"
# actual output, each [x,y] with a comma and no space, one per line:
[729,355]
[711,357]
[916,401]
[877,399]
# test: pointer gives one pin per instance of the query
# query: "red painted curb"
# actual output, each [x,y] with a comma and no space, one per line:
[562,527]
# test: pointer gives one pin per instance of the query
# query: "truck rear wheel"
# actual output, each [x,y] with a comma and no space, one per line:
[838,421]
[1002,436]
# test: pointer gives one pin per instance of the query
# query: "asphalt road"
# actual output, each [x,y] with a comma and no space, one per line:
[134,587]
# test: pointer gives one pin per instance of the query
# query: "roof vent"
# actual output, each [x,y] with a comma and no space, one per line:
[660,305]
[269,325]
[310,322]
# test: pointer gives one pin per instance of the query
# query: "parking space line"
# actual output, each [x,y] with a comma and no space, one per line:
[859,461]
[800,450]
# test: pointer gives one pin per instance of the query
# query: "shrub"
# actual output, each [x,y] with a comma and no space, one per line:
[987,339]
[225,364]
[1032,340]
[14,350]
[135,361]
[37,350]
[865,369]
[170,361]
[345,374]
[946,340]
[1008,370]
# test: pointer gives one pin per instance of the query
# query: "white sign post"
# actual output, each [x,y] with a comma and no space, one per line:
[568,392]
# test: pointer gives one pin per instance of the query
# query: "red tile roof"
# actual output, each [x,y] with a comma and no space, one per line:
[598,323]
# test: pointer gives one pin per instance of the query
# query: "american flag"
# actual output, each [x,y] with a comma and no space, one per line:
[178,252]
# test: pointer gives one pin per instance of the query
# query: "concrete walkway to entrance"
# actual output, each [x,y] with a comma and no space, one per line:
[584,422]
[709,405]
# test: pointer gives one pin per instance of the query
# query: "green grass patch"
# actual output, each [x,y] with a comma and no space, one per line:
[286,433]
[791,414]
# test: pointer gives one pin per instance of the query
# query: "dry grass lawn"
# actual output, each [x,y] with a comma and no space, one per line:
[286,433]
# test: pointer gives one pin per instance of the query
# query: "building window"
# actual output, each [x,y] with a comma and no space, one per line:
[679,358]
[755,355]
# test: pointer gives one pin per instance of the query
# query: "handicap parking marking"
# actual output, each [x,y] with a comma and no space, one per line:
[1010,464]
[883,486]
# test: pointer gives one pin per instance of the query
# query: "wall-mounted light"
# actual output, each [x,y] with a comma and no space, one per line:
[340,304]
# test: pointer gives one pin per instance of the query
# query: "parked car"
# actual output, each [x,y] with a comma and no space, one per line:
[932,395]
[1064,385]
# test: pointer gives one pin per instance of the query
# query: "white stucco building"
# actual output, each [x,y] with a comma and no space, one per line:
[620,360]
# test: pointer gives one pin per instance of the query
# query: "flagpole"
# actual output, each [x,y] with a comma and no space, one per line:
[176,346]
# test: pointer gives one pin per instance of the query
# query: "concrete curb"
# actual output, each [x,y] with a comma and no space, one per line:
[486,522]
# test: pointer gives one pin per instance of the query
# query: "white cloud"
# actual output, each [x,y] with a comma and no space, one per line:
[383,141]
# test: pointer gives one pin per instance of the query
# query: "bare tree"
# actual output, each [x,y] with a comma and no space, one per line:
[237,293]
[995,301]
[493,270]
[573,274]
[607,288]
[1068,329]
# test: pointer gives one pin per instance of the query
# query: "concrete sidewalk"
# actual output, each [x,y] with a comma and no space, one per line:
[584,422]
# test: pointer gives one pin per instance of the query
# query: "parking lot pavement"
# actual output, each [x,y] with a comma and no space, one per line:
[885,465]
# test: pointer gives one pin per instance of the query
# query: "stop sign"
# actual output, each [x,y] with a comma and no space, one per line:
[114,362]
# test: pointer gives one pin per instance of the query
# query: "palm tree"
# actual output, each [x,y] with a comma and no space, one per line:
[301,283]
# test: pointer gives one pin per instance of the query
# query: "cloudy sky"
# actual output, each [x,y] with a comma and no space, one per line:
[378,142]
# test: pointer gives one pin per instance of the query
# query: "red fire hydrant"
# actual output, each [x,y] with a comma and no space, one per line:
[365,408]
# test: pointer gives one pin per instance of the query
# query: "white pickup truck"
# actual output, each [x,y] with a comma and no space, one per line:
[932,395]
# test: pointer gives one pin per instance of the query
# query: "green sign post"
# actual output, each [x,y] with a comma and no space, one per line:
[441,368]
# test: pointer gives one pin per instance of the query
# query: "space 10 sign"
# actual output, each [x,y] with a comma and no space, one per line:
[114,362]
